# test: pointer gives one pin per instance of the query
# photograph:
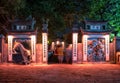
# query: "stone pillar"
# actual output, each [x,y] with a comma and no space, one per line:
[33,46]
[44,42]
[74,46]
[107,47]
[84,41]
[10,38]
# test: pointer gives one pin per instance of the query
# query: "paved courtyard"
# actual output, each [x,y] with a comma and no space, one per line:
[60,73]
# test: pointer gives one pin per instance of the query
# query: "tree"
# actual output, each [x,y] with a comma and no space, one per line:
[108,10]
[61,12]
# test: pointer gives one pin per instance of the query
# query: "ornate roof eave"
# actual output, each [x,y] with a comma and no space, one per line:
[95,32]
[22,23]
[34,32]
[95,22]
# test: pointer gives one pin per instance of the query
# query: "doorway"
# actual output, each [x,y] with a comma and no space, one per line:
[22,50]
[96,50]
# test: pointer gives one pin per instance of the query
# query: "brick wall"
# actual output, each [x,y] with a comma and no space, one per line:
[80,49]
[112,54]
[5,53]
[39,53]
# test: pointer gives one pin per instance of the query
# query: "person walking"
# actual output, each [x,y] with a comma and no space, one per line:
[68,54]
[60,53]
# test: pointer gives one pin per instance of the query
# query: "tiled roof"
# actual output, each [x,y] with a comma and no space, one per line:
[95,31]
[93,21]
[22,22]
[22,32]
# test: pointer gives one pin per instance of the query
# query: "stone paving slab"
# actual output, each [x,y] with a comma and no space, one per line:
[60,73]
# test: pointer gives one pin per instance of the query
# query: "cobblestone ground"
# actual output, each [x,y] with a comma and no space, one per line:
[60,73]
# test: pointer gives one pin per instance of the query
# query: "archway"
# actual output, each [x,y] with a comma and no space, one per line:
[28,39]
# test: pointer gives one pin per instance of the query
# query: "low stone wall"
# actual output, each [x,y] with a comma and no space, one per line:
[4,57]
[39,53]
[112,52]
[117,50]
[80,53]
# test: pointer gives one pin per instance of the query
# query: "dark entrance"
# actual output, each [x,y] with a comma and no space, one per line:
[53,53]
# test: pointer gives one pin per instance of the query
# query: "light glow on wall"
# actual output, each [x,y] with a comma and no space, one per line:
[74,50]
[45,47]
[33,47]
[70,46]
[10,38]
[52,45]
[63,45]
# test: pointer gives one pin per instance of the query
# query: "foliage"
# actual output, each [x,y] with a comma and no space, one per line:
[61,13]
[108,10]
[13,7]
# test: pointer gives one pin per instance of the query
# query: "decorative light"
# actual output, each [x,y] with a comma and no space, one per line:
[57,42]
[63,44]
[10,37]
[52,46]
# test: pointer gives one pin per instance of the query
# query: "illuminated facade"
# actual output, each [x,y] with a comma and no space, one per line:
[22,31]
[95,41]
